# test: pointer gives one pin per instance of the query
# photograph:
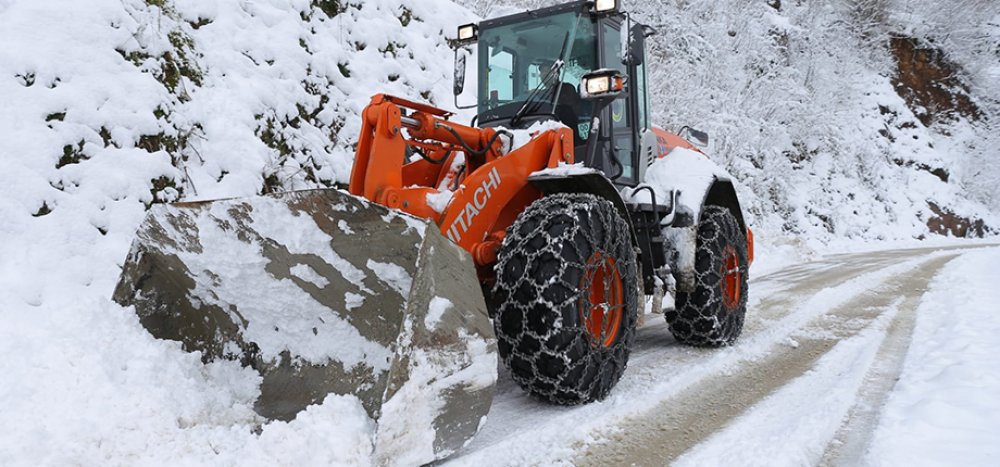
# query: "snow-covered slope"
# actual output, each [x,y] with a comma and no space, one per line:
[806,107]
[107,106]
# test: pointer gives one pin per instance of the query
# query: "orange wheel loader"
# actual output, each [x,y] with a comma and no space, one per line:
[531,235]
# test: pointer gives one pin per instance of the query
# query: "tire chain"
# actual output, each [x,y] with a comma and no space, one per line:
[699,317]
[540,334]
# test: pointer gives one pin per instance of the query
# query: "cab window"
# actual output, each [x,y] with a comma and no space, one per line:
[500,71]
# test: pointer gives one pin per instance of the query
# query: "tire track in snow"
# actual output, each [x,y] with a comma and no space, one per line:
[521,430]
[851,441]
[708,407]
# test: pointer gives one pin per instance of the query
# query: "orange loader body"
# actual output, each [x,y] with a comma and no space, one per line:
[491,190]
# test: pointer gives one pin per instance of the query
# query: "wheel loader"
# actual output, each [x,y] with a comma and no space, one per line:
[529,235]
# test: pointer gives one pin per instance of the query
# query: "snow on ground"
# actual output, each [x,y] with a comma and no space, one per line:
[944,410]
[791,426]
[522,431]
[794,425]
[109,105]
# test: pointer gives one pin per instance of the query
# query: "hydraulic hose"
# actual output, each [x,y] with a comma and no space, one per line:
[489,144]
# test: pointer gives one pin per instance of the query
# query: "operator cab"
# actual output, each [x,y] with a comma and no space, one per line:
[532,67]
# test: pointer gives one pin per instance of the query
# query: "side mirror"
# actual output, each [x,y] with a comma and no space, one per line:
[462,54]
[700,137]
[467,34]
[459,71]
[637,43]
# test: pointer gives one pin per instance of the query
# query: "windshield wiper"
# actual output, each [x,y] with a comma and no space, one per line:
[554,72]
[531,104]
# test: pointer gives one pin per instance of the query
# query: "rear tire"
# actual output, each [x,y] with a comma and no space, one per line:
[712,314]
[566,297]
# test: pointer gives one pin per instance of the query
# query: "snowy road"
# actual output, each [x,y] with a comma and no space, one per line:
[823,346]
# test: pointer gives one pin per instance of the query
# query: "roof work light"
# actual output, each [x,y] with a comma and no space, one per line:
[468,33]
[605,6]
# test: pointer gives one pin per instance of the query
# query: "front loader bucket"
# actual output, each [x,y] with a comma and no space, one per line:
[322,292]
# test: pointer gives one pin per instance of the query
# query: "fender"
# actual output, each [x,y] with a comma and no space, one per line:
[680,239]
[723,193]
[700,182]
[584,181]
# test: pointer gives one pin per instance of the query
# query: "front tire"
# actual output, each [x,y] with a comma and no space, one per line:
[567,299]
[712,314]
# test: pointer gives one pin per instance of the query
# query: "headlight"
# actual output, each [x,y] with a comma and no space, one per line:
[598,85]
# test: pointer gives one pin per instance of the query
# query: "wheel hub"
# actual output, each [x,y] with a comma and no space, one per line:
[602,310]
[731,278]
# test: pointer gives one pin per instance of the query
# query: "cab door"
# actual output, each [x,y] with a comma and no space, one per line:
[618,121]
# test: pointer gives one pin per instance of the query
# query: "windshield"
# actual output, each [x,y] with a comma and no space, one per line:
[514,60]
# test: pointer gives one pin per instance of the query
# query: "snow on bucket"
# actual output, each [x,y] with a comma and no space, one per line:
[322,292]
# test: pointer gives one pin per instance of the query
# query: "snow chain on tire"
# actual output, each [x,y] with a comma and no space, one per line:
[543,291]
[707,316]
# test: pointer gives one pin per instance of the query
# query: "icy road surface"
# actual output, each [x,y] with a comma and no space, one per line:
[808,382]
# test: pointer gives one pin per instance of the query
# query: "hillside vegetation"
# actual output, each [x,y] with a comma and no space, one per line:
[860,119]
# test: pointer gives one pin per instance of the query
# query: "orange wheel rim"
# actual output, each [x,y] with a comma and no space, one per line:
[731,278]
[602,313]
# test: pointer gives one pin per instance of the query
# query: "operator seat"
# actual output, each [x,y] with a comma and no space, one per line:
[567,109]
